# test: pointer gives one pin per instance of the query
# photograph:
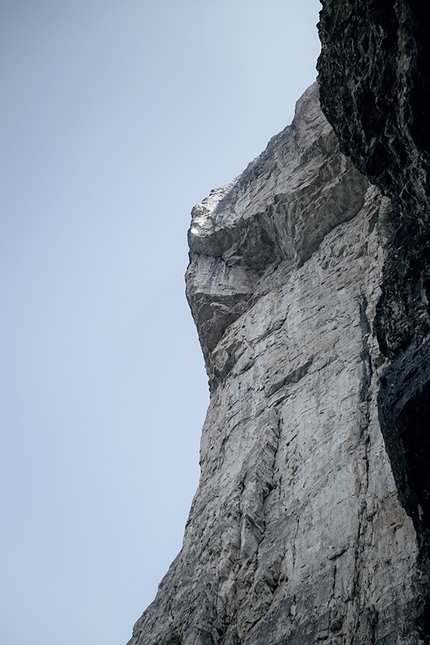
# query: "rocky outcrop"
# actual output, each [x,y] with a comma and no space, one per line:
[296,534]
[375,91]
[276,213]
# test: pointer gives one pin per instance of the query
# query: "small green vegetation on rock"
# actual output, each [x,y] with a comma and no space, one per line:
[385,217]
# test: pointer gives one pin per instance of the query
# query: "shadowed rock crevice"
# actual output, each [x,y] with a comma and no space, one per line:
[365,352]
[404,404]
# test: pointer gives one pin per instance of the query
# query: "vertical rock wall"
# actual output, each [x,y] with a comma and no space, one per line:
[296,534]
[375,90]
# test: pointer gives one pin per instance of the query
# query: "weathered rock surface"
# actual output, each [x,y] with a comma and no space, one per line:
[375,90]
[296,534]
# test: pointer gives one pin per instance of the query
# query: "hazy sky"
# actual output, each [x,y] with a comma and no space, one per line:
[116,117]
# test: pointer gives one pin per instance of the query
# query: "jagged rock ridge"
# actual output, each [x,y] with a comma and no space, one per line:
[295,534]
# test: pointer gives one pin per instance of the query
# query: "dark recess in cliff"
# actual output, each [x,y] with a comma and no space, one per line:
[374,75]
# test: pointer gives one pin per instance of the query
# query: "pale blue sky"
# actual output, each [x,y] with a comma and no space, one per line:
[116,117]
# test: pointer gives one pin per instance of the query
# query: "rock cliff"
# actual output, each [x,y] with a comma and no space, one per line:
[375,91]
[296,534]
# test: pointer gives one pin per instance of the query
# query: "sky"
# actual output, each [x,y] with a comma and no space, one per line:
[116,117]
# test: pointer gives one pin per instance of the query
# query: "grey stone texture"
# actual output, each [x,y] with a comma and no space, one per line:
[296,534]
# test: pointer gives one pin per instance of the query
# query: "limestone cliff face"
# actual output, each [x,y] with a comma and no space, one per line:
[296,534]
[375,90]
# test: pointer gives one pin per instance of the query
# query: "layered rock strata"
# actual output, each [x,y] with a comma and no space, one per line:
[375,90]
[296,534]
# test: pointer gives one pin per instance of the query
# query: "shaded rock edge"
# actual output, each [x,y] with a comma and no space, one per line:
[375,91]
[296,534]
